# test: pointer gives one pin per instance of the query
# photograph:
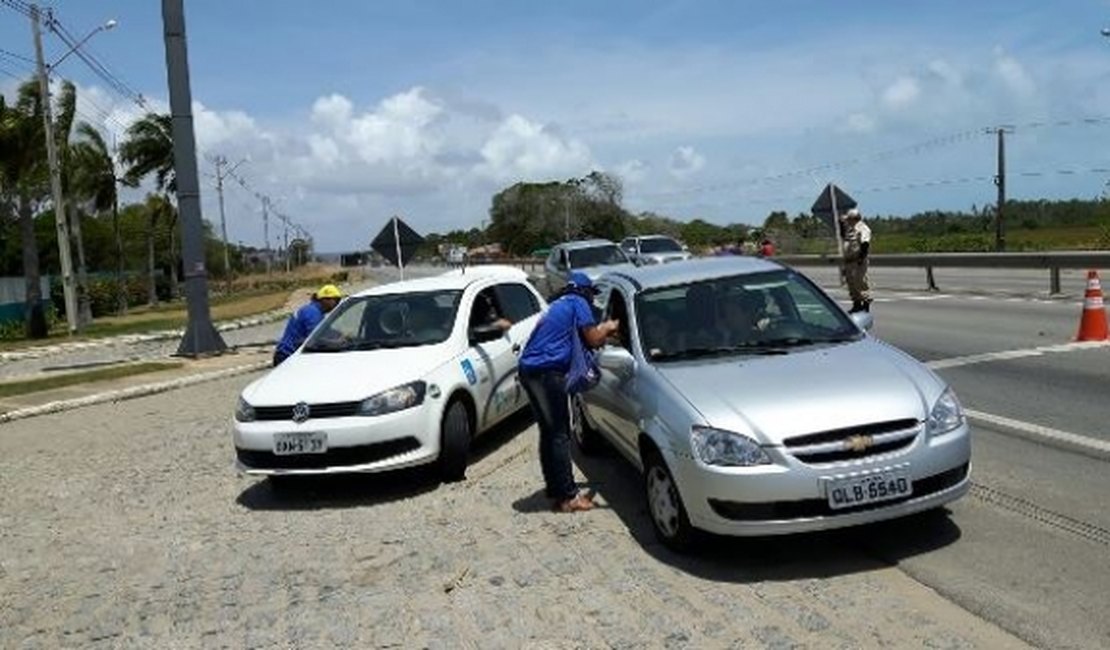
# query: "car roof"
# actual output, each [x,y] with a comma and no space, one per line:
[454,280]
[687,271]
[585,243]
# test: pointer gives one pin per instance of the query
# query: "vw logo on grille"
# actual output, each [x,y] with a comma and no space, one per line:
[301,411]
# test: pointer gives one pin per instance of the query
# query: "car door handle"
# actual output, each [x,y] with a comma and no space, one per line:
[516,348]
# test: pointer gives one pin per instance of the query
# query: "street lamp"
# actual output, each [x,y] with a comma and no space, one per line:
[110,24]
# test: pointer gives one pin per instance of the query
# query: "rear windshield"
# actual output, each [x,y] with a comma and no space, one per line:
[604,255]
[659,245]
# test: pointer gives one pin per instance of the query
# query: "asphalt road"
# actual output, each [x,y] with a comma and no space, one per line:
[1032,546]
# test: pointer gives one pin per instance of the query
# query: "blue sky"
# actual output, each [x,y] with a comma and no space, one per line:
[354,111]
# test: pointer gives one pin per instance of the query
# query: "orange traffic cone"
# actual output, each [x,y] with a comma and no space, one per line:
[1092,326]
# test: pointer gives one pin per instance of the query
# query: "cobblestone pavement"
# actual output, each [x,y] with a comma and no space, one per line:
[124,525]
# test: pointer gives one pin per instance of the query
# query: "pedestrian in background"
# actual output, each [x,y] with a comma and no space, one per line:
[766,248]
[305,319]
[857,247]
[543,369]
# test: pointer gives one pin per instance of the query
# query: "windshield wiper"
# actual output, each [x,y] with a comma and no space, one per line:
[702,352]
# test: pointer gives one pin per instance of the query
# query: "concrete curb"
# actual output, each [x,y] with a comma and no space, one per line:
[131,392]
[38,352]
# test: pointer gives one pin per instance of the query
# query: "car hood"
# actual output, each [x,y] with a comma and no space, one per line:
[595,272]
[324,377]
[809,390]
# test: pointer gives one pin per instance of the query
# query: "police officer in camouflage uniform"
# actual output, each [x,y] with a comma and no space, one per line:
[857,246]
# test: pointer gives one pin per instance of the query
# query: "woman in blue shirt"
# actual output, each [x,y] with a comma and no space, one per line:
[543,368]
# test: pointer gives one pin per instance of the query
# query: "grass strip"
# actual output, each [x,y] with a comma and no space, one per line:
[11,389]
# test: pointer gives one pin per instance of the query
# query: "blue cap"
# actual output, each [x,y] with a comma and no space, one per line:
[580,280]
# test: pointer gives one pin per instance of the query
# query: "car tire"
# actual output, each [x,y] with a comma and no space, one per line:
[665,508]
[455,435]
[585,436]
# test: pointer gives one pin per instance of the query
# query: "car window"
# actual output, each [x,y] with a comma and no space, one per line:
[387,321]
[561,260]
[601,299]
[517,302]
[602,255]
[617,309]
[486,308]
[659,245]
[736,314]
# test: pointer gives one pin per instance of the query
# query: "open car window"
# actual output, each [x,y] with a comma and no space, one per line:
[387,321]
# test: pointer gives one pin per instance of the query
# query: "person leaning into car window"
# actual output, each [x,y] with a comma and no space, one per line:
[543,367]
[304,320]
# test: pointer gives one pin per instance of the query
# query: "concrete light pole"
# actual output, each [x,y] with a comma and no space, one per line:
[60,221]
[201,337]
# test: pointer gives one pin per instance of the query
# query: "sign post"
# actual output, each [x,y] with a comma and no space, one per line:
[397,243]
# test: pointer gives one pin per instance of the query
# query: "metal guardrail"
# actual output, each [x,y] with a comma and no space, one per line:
[1051,261]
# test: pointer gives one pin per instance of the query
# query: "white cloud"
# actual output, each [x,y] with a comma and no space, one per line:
[903,92]
[522,149]
[685,161]
[1014,75]
[633,171]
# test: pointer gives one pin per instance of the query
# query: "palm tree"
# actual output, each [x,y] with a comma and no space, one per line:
[94,180]
[147,150]
[23,178]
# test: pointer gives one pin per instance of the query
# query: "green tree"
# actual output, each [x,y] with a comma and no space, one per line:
[24,187]
[95,182]
[148,149]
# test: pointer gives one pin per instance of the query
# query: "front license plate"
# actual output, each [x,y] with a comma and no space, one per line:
[287,444]
[860,490]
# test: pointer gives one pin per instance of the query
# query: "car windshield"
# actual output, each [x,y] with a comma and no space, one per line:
[764,313]
[659,245]
[601,255]
[387,321]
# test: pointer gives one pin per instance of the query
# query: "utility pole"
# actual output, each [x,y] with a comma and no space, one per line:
[68,289]
[266,232]
[285,244]
[201,337]
[1000,182]
[221,162]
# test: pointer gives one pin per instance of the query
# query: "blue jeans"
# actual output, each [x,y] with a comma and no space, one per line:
[547,394]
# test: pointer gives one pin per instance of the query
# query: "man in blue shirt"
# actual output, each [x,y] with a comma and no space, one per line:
[543,368]
[305,319]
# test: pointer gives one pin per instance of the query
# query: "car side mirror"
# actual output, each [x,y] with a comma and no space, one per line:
[485,333]
[864,320]
[617,360]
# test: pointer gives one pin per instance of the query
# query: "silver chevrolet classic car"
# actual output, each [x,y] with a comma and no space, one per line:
[754,405]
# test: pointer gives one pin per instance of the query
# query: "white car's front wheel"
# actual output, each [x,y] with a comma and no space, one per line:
[455,437]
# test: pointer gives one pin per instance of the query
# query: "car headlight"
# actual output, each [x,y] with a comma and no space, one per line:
[244,412]
[394,399]
[716,447]
[947,414]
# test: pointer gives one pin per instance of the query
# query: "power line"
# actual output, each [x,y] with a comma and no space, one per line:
[98,68]
[17,56]
[18,6]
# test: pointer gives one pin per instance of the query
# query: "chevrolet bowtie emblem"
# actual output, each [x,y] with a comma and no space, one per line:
[858,443]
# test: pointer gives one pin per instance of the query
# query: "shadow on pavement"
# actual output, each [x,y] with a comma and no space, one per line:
[779,558]
[337,491]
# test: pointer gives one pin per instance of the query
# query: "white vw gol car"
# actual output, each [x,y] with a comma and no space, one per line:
[755,406]
[402,374]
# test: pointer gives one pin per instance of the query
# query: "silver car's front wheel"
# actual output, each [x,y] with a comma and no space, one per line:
[668,515]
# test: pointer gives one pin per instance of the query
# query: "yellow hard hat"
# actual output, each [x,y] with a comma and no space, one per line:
[329,291]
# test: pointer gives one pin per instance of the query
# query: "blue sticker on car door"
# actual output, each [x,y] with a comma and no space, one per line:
[468,370]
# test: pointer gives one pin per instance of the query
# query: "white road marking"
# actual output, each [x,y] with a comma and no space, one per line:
[1098,447]
[1005,355]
